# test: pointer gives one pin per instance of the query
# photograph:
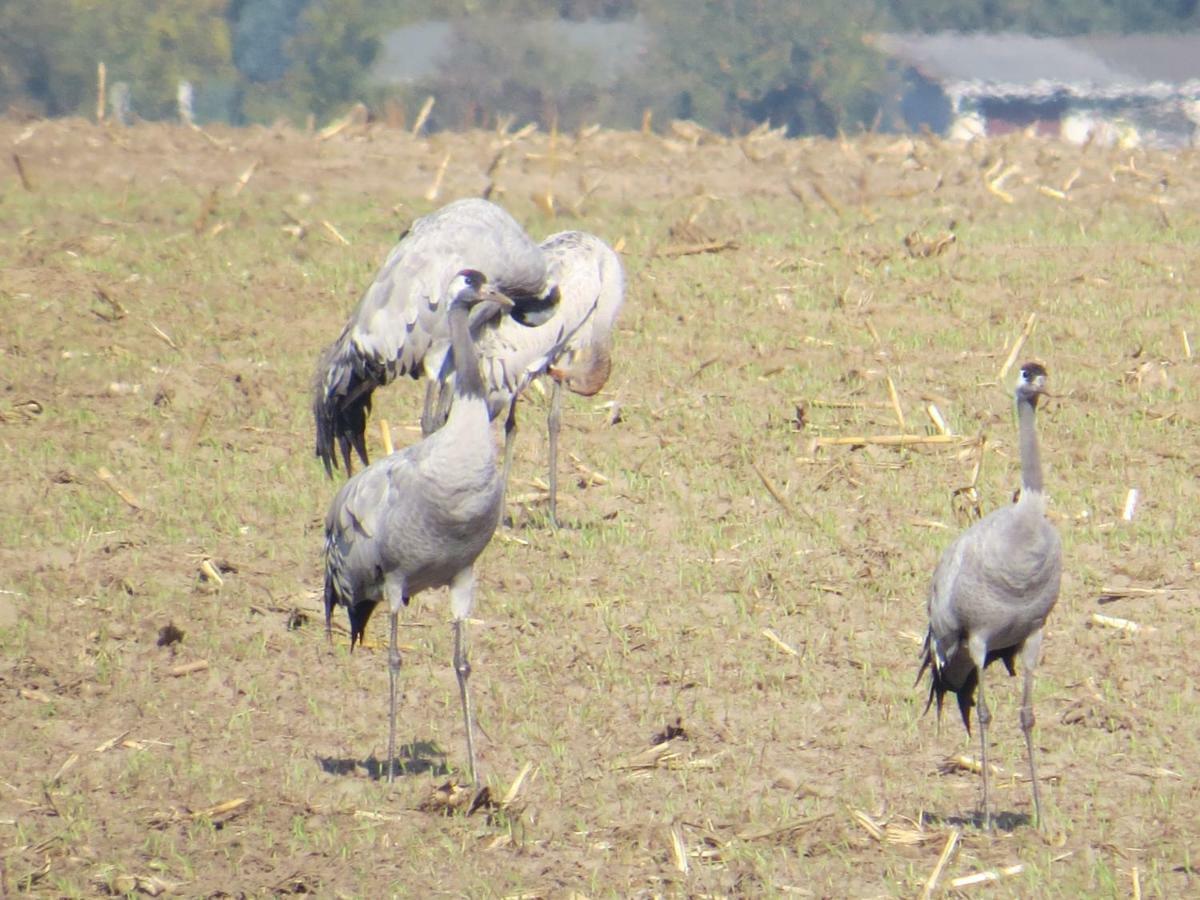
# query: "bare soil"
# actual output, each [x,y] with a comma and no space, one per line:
[709,671]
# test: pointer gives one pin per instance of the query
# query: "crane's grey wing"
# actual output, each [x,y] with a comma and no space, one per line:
[372,521]
[943,652]
[511,355]
[399,326]
[353,558]
[953,595]
[998,581]
[591,282]
[590,271]
[591,287]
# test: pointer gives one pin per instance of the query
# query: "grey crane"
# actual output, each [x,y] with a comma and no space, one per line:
[992,591]
[420,517]
[400,326]
[573,346]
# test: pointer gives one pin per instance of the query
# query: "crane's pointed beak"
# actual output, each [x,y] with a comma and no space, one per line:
[493,295]
[491,305]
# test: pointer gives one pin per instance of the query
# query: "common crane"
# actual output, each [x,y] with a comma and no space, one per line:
[992,591]
[400,325]
[420,517]
[573,346]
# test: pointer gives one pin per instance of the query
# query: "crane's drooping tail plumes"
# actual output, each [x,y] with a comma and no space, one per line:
[992,591]
[400,325]
[962,683]
[340,591]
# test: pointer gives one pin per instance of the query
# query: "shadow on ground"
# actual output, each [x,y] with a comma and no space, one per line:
[1001,821]
[417,758]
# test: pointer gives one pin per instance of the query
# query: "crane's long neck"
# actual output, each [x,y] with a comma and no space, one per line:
[1031,457]
[467,380]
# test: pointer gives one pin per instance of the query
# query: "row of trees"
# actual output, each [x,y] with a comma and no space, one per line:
[249,59]
[725,63]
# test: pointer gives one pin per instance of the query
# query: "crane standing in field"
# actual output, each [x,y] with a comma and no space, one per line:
[400,326]
[573,347]
[420,517]
[567,292]
[992,591]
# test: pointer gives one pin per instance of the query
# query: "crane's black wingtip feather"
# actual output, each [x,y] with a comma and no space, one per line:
[341,425]
[324,449]
[359,440]
[341,403]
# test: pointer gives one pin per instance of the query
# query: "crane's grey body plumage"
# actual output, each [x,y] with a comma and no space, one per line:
[420,517]
[998,581]
[993,589]
[400,327]
[591,286]
[573,345]
[442,521]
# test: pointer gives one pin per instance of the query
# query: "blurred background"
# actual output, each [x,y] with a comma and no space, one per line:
[1129,69]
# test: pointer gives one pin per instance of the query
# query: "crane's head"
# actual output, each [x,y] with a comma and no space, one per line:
[470,287]
[585,371]
[1031,383]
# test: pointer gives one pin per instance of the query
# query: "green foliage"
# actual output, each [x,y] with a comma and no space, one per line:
[732,63]
[153,44]
[1048,17]
[49,51]
[261,30]
[32,38]
[729,64]
[527,71]
[331,54]
[516,10]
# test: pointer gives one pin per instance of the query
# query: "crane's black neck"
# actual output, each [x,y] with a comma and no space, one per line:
[1031,457]
[467,380]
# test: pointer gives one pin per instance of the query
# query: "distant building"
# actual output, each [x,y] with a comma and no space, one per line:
[1123,89]
[412,53]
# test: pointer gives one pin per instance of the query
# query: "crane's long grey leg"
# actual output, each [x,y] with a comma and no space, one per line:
[553,426]
[510,435]
[397,598]
[445,398]
[462,601]
[427,426]
[978,651]
[434,418]
[985,717]
[1029,659]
